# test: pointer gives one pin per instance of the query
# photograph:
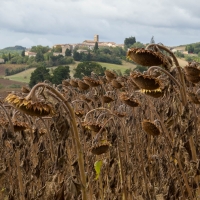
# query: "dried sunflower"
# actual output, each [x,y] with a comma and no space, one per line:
[73,82]
[110,75]
[150,128]
[82,85]
[191,70]
[92,126]
[100,148]
[38,108]
[193,79]
[91,82]
[146,82]
[66,83]
[107,99]
[129,100]
[116,84]
[19,126]
[147,57]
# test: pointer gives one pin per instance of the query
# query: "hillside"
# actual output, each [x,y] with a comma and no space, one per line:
[15,49]
[25,75]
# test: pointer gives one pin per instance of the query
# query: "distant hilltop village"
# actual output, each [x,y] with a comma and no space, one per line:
[86,44]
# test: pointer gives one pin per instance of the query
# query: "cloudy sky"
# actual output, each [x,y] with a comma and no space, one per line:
[34,22]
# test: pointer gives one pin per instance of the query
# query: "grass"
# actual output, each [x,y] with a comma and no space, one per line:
[25,75]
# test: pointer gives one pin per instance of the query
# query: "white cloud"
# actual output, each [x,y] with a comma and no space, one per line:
[69,21]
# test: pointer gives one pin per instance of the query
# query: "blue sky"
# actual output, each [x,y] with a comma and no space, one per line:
[34,22]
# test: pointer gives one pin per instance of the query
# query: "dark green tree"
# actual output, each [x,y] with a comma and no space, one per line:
[140,68]
[43,49]
[190,48]
[129,41]
[68,52]
[23,53]
[138,45]
[60,73]
[96,47]
[39,57]
[85,69]
[9,56]
[76,56]
[40,74]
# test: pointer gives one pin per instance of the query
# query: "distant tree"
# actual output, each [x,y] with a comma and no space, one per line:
[39,56]
[60,73]
[9,56]
[23,53]
[5,57]
[152,41]
[127,72]
[43,49]
[138,45]
[68,52]
[140,68]
[76,56]
[40,74]
[85,69]
[96,47]
[190,48]
[129,41]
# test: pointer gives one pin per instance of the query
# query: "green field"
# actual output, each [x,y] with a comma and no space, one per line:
[25,75]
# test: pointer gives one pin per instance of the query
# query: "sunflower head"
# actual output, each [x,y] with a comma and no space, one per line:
[192,79]
[100,148]
[147,57]
[19,126]
[116,84]
[38,108]
[192,69]
[110,75]
[92,126]
[91,82]
[146,82]
[129,100]
[82,85]
[150,128]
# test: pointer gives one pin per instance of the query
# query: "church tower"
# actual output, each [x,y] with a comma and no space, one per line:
[96,38]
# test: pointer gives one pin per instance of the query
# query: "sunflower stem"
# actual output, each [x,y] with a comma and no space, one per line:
[74,132]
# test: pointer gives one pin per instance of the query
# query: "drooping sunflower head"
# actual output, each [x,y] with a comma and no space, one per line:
[129,100]
[192,79]
[192,69]
[37,108]
[19,126]
[100,148]
[150,128]
[82,85]
[93,126]
[110,75]
[116,84]
[91,81]
[147,57]
[146,82]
